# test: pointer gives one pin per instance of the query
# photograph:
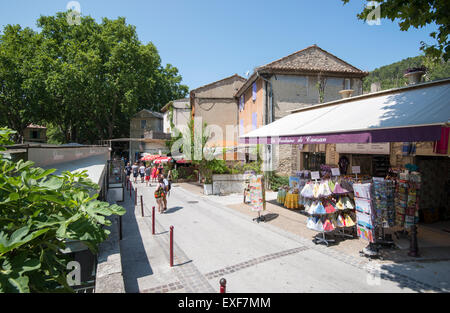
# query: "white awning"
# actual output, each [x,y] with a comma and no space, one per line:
[413,113]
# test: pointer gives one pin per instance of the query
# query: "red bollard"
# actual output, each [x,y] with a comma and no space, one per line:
[153,220]
[135,196]
[223,285]
[142,207]
[130,188]
[171,246]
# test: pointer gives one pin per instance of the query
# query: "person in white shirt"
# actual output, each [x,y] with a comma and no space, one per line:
[142,172]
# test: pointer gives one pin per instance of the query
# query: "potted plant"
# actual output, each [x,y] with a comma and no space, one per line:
[414,74]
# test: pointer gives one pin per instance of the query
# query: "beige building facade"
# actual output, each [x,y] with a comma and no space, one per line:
[214,104]
[292,83]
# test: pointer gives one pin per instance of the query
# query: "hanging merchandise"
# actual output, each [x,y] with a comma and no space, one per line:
[384,203]
[339,190]
[364,211]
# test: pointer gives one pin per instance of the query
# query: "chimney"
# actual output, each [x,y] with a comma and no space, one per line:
[414,75]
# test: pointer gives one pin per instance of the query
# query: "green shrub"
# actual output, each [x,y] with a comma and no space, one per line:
[277,181]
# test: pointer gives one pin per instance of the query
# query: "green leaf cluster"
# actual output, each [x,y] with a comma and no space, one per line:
[39,213]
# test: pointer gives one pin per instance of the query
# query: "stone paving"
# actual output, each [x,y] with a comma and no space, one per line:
[195,272]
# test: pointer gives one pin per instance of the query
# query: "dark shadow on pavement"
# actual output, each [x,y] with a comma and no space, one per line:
[135,261]
[270,216]
[187,262]
[173,210]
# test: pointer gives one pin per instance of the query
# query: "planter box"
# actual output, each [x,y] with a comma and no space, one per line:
[228,183]
[208,189]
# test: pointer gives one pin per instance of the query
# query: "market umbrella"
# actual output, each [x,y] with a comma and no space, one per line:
[162,160]
[182,161]
[150,157]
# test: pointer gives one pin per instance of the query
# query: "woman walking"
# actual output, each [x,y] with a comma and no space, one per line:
[160,195]
[154,176]
[135,169]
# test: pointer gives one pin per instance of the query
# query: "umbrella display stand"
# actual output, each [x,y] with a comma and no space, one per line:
[322,239]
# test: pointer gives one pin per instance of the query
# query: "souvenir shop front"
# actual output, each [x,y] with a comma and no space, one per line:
[369,202]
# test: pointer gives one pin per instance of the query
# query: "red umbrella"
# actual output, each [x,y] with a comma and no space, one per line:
[163,160]
[150,157]
[182,161]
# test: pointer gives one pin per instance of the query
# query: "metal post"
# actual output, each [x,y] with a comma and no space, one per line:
[153,220]
[120,227]
[142,207]
[413,247]
[223,285]
[131,186]
[171,246]
[135,196]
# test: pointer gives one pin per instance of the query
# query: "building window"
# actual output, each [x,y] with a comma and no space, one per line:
[254,121]
[35,134]
[143,124]
[254,91]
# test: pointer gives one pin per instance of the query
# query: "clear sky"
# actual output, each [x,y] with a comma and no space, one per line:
[208,40]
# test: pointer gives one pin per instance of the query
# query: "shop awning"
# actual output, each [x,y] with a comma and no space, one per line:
[413,113]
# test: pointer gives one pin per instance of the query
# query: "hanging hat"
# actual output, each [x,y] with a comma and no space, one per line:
[309,207]
[320,209]
[329,208]
[331,185]
[325,189]
[339,190]
[340,221]
[340,205]
[349,221]
[319,225]
[347,203]
[328,226]
[307,191]
[310,223]
[316,190]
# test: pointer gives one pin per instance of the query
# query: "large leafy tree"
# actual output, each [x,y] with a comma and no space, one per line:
[95,77]
[417,14]
[21,93]
[39,212]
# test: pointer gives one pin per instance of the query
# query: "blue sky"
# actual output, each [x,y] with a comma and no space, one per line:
[208,40]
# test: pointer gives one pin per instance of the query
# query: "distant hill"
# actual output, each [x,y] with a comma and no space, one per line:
[391,76]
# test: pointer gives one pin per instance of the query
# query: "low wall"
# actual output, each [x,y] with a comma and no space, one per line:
[226,184]
[109,264]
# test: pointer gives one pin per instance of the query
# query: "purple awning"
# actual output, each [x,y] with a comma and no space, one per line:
[423,133]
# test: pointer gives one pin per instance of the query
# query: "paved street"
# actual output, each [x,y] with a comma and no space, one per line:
[214,241]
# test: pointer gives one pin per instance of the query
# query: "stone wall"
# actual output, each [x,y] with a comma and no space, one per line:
[109,264]
[224,184]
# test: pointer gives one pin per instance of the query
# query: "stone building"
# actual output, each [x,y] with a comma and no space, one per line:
[215,105]
[146,134]
[289,83]
[35,133]
[180,113]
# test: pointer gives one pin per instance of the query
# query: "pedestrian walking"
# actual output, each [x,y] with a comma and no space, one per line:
[154,176]
[135,169]
[148,170]
[142,172]
[128,170]
[160,195]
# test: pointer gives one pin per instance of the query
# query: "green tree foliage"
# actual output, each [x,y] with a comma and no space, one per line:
[39,212]
[85,80]
[21,93]
[417,14]
[391,76]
